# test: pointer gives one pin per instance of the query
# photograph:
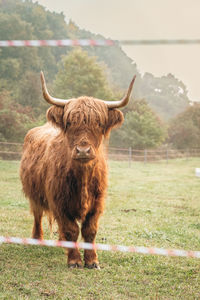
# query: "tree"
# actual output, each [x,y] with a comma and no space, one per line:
[20,66]
[80,75]
[142,129]
[15,119]
[29,93]
[185,128]
[166,95]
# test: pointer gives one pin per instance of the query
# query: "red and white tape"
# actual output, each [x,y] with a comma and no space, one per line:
[55,43]
[91,42]
[88,246]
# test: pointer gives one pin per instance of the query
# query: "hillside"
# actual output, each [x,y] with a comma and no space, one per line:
[20,67]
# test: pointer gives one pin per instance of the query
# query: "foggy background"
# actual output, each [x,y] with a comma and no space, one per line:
[155,19]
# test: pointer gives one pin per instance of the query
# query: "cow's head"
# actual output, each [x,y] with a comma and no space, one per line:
[85,121]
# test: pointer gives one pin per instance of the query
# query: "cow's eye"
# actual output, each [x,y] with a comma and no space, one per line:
[101,126]
[68,124]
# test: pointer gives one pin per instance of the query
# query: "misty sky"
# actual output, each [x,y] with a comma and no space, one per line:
[145,19]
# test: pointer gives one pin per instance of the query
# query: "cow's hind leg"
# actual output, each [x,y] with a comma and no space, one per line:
[89,230]
[37,232]
[69,231]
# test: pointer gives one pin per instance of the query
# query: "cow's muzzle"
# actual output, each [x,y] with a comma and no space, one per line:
[83,153]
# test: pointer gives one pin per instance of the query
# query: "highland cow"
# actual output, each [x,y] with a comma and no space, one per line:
[63,168]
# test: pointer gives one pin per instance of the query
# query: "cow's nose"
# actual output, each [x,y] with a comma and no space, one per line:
[83,152]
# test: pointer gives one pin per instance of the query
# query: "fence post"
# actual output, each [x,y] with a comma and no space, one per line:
[130,156]
[187,154]
[167,155]
[145,156]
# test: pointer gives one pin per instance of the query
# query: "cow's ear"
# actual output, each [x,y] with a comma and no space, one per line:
[55,116]
[115,119]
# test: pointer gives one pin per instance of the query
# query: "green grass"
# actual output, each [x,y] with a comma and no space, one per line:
[154,205]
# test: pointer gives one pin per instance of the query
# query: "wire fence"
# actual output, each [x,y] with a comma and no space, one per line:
[147,155]
[13,151]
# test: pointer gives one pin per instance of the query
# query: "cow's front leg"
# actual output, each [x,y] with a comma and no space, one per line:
[69,231]
[37,232]
[89,230]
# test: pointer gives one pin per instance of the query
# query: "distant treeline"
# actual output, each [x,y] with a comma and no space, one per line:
[68,75]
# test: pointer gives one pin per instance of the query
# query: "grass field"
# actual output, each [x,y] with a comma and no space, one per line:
[154,205]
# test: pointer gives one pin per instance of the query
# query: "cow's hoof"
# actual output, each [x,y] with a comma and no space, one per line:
[74,266]
[93,266]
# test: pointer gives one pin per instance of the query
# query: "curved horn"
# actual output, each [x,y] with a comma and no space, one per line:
[48,97]
[124,101]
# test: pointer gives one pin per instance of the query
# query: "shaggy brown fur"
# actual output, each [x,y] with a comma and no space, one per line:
[57,183]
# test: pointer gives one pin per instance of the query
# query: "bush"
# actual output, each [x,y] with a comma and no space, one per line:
[142,129]
[184,129]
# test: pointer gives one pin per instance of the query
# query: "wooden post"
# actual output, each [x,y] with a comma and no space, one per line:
[167,155]
[145,156]
[130,156]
